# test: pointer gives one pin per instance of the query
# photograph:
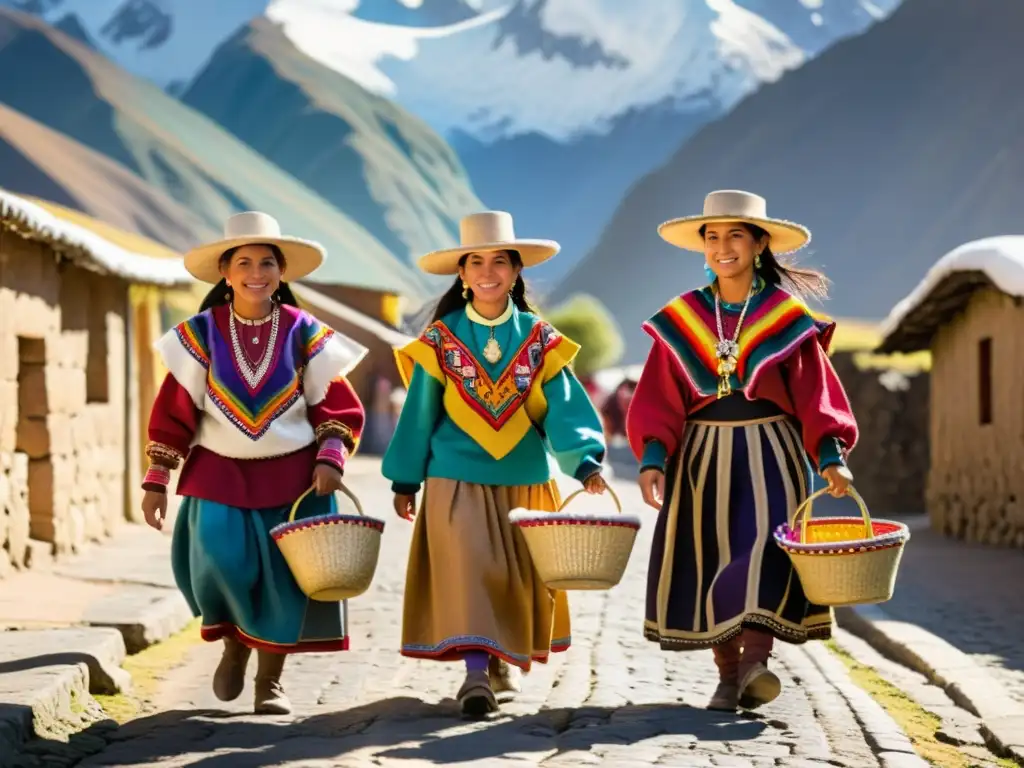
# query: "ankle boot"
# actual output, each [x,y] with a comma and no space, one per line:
[270,696]
[504,677]
[726,695]
[758,684]
[229,679]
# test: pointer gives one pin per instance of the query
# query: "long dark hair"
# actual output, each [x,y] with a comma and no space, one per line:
[222,293]
[802,281]
[453,298]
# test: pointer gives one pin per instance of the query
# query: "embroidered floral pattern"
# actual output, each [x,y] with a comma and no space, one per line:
[497,400]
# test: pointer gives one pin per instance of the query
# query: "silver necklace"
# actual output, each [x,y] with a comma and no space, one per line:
[252,323]
[728,350]
[253,377]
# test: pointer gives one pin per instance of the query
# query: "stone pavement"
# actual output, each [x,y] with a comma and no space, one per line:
[970,595]
[612,700]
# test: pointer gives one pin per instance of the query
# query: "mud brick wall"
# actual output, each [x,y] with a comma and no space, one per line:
[62,402]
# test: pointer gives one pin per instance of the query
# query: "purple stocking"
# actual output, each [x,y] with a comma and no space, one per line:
[476,661]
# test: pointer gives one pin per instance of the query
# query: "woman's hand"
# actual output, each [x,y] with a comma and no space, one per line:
[595,483]
[405,505]
[154,507]
[839,479]
[652,486]
[326,479]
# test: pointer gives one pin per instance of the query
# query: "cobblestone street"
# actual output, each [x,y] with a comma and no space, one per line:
[613,700]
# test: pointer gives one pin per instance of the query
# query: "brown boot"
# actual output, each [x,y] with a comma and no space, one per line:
[229,679]
[504,677]
[727,694]
[270,696]
[758,684]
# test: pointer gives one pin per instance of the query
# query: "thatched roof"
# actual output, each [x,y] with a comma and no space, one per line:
[996,262]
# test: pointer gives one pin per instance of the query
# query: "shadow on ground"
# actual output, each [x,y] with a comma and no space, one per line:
[398,729]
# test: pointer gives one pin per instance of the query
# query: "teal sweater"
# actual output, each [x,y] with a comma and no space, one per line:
[429,443]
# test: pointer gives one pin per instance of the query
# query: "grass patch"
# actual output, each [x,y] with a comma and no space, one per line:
[919,724]
[148,669]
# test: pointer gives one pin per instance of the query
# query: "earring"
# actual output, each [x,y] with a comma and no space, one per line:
[709,273]
[465,289]
[757,261]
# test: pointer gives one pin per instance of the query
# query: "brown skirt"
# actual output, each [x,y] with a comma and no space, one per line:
[470,584]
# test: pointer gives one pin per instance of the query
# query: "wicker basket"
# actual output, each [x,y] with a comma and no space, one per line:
[332,557]
[843,560]
[576,551]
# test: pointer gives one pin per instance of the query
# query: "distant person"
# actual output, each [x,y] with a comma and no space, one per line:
[489,388]
[737,402]
[257,388]
[615,408]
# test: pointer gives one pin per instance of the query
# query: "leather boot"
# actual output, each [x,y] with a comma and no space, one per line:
[229,679]
[727,694]
[270,696]
[504,677]
[758,684]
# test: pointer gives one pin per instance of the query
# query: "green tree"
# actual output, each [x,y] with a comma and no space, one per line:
[586,321]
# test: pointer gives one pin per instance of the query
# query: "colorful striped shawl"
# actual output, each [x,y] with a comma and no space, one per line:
[302,337]
[775,325]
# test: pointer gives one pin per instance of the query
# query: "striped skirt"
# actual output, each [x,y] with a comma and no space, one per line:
[714,566]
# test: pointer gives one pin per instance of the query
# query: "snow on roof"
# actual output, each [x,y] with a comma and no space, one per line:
[997,260]
[85,248]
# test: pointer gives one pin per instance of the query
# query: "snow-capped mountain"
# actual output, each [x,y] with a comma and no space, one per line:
[555,107]
[495,69]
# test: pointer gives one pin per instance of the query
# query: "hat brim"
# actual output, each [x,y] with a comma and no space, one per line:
[446,262]
[301,257]
[786,236]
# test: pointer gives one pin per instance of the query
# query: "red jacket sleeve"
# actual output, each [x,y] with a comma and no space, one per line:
[821,405]
[172,423]
[338,422]
[657,410]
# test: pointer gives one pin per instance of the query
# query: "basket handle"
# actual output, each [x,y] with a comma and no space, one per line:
[305,493]
[574,494]
[802,515]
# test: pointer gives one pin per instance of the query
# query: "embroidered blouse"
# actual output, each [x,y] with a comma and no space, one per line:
[252,443]
[493,424]
[783,358]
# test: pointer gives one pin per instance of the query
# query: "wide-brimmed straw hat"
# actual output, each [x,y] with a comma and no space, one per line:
[254,228]
[735,205]
[484,233]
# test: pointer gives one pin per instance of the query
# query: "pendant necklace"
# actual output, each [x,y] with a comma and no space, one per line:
[253,375]
[492,349]
[254,323]
[728,350]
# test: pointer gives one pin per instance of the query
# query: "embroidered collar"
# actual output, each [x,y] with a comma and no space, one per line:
[479,319]
[777,324]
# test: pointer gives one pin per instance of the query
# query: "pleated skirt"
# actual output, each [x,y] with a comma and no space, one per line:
[233,575]
[470,583]
[714,566]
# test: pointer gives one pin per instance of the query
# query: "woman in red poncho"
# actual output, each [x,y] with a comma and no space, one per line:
[737,406]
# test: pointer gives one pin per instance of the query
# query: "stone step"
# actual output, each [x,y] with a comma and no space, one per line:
[47,677]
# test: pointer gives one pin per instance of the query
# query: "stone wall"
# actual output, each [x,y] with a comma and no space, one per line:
[62,403]
[890,462]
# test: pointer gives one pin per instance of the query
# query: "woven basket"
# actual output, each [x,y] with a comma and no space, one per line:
[332,557]
[576,551]
[843,560]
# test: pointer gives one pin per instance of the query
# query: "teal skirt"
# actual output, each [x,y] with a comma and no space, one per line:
[233,575]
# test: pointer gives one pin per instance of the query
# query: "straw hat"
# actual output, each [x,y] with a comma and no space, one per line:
[486,232]
[735,205]
[252,228]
